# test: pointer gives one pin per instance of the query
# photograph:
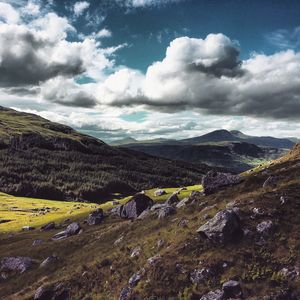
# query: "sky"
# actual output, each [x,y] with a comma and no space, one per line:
[154,68]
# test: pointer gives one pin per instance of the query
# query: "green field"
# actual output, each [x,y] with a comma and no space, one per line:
[16,212]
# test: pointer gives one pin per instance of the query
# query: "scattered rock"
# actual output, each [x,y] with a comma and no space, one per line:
[160,243]
[222,228]
[27,228]
[283,200]
[154,260]
[183,223]
[232,289]
[159,192]
[166,211]
[48,261]
[51,292]
[213,295]
[17,264]
[95,217]
[37,242]
[135,278]
[125,293]
[136,252]
[290,273]
[172,200]
[213,181]
[270,182]
[118,241]
[133,208]
[72,229]
[183,202]
[48,226]
[265,228]
[200,275]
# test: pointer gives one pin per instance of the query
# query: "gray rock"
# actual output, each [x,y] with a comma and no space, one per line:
[270,182]
[172,200]
[48,226]
[135,278]
[49,261]
[166,211]
[133,208]
[51,292]
[265,228]
[200,275]
[224,227]
[37,242]
[160,243]
[154,260]
[232,289]
[183,202]
[158,206]
[159,192]
[213,181]
[125,293]
[136,252]
[44,293]
[118,241]
[96,217]
[72,229]
[214,295]
[27,228]
[17,264]
[144,214]
[290,273]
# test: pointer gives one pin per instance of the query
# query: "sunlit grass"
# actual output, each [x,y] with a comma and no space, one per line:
[16,212]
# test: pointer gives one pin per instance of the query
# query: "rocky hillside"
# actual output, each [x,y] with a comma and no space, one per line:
[42,159]
[239,239]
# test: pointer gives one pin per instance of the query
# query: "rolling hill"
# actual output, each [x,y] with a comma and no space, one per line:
[42,159]
[232,150]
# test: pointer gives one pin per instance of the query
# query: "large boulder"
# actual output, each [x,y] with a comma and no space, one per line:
[72,229]
[95,217]
[222,228]
[17,264]
[213,181]
[48,226]
[133,208]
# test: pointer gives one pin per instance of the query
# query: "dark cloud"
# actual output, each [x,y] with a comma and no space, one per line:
[29,63]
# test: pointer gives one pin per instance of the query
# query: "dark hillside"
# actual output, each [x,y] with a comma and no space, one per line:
[42,159]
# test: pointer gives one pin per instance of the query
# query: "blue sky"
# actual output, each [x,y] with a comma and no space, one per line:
[154,68]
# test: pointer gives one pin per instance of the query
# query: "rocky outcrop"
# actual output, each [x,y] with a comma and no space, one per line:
[265,228]
[17,264]
[72,229]
[133,208]
[224,227]
[213,181]
[270,182]
[95,217]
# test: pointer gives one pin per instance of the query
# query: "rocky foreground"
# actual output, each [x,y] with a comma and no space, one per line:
[239,239]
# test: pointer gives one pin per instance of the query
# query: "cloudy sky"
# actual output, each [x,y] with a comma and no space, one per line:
[154,68]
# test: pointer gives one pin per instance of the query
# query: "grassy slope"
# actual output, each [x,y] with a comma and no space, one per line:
[255,266]
[22,211]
